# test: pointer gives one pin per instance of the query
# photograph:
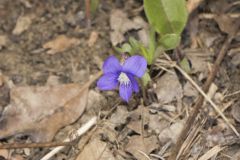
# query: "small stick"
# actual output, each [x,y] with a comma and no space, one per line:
[200,100]
[34,145]
[79,133]
[232,94]
[212,16]
[88,12]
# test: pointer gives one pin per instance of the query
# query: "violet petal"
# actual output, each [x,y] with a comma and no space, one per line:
[134,83]
[135,65]
[111,65]
[108,82]
[125,92]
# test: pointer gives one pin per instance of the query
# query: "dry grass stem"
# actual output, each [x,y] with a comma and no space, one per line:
[144,154]
[212,16]
[232,94]
[215,150]
[208,99]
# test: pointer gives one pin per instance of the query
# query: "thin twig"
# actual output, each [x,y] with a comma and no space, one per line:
[200,100]
[212,16]
[79,133]
[144,154]
[88,12]
[34,145]
[232,94]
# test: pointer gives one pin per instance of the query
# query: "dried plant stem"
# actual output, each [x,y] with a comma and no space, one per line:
[212,16]
[213,151]
[88,12]
[200,100]
[208,99]
[79,133]
[34,145]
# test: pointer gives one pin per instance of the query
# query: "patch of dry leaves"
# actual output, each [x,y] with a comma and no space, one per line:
[42,110]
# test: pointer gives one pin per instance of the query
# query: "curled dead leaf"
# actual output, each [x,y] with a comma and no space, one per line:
[60,44]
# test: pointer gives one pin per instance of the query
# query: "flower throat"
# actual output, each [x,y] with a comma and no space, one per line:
[123,79]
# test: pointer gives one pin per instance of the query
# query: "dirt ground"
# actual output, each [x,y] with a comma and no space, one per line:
[49,53]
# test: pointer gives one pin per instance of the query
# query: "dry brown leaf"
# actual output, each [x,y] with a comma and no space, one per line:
[199,60]
[171,133]
[189,90]
[60,44]
[17,157]
[92,39]
[227,24]
[236,156]
[139,118]
[96,150]
[156,123]
[215,136]
[219,7]
[23,23]
[53,80]
[4,153]
[120,24]
[168,88]
[139,145]
[236,59]
[3,41]
[119,116]
[26,3]
[41,111]
[95,101]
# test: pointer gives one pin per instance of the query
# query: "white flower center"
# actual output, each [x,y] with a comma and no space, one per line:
[123,79]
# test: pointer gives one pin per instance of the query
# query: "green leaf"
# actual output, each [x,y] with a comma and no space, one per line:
[146,78]
[134,44]
[152,42]
[94,5]
[184,64]
[169,41]
[159,50]
[166,16]
[126,48]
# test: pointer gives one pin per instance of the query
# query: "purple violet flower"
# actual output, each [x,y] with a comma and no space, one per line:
[124,74]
